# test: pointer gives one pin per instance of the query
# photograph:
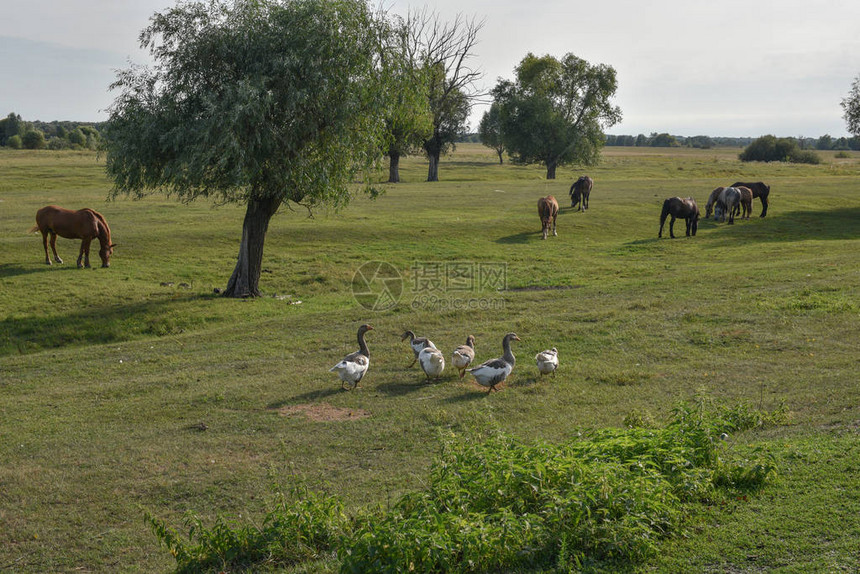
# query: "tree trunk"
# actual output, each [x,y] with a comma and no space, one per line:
[246,276]
[550,170]
[394,168]
[500,152]
[433,170]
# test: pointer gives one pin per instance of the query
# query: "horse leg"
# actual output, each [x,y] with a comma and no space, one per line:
[672,227]
[45,245]
[53,248]
[554,217]
[85,250]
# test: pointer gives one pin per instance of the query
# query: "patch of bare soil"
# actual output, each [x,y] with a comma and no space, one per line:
[321,412]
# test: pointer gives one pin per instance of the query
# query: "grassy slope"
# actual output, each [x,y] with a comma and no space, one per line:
[104,373]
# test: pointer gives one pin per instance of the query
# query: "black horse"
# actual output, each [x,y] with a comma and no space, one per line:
[759,190]
[580,191]
[680,208]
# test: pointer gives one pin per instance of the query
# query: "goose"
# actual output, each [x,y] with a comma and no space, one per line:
[495,371]
[353,367]
[464,355]
[432,362]
[547,361]
[417,343]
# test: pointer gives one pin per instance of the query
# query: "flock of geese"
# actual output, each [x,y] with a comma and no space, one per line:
[352,368]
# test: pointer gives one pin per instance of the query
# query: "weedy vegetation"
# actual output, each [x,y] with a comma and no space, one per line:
[704,416]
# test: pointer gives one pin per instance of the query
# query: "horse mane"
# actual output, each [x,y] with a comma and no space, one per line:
[104,228]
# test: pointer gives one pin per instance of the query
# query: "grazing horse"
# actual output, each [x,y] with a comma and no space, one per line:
[728,204]
[548,212]
[759,190]
[84,224]
[680,208]
[712,201]
[746,201]
[580,191]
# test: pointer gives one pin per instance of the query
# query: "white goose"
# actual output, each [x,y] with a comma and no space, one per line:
[464,355]
[495,371]
[353,367]
[547,361]
[417,343]
[432,362]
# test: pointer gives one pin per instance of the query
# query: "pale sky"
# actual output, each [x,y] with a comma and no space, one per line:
[687,67]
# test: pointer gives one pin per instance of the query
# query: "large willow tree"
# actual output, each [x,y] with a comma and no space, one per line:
[258,102]
[556,111]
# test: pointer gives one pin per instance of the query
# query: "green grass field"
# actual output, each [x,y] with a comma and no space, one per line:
[108,377]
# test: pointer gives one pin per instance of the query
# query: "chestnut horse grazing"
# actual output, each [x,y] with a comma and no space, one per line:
[580,191]
[84,224]
[548,211]
[680,208]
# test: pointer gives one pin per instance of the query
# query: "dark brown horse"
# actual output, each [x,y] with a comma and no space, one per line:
[548,211]
[84,224]
[580,191]
[680,208]
[759,190]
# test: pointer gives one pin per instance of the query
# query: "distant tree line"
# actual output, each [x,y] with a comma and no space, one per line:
[16,133]
[825,142]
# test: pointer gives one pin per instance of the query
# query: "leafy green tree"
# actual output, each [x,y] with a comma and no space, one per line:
[258,102]
[11,125]
[664,140]
[490,131]
[33,139]
[851,105]
[15,142]
[555,112]
[825,142]
[77,137]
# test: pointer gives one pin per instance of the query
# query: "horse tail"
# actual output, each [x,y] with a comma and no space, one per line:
[33,229]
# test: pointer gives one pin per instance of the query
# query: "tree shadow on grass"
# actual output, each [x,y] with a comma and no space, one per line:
[96,326]
[834,224]
[8,270]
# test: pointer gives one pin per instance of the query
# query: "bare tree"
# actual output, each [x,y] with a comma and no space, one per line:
[446,49]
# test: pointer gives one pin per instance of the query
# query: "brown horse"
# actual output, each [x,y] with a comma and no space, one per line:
[580,191]
[84,224]
[759,190]
[548,212]
[680,208]
[746,201]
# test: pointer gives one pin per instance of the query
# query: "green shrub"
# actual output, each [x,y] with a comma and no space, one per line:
[495,503]
[770,148]
[15,142]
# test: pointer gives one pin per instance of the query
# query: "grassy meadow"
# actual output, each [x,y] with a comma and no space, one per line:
[136,389]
